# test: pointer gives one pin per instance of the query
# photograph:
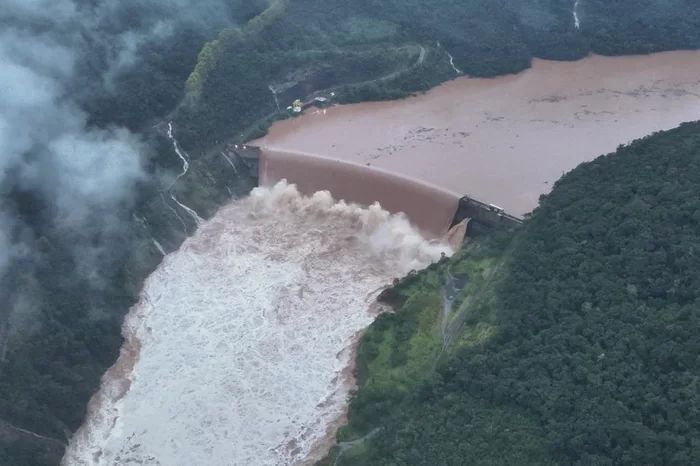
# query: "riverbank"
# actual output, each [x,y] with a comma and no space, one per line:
[569,335]
[244,334]
[507,139]
[309,47]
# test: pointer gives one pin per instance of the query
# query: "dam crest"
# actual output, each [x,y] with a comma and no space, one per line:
[432,209]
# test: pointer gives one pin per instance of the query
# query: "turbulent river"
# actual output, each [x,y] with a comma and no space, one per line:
[239,350]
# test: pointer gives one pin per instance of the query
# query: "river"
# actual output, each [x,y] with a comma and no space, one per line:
[506,140]
[238,350]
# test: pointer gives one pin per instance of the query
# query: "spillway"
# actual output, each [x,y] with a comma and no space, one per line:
[428,207]
[238,351]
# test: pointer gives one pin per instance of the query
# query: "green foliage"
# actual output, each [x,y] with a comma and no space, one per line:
[284,47]
[366,30]
[206,61]
[397,351]
[228,39]
[591,356]
[396,364]
[28,453]
[268,16]
[647,26]
[371,50]
[600,310]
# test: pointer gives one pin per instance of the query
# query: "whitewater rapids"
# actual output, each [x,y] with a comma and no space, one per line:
[238,350]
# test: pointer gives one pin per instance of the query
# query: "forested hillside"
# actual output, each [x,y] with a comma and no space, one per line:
[66,284]
[580,336]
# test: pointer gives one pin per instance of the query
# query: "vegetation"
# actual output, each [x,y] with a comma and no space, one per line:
[615,28]
[307,47]
[593,317]
[65,336]
[60,324]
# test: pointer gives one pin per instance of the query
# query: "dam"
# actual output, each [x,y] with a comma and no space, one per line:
[240,348]
[433,210]
[505,140]
[242,343]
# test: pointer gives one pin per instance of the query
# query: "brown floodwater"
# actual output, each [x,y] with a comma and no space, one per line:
[505,140]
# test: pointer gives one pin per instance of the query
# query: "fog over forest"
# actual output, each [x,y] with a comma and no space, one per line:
[71,171]
[53,56]
[89,178]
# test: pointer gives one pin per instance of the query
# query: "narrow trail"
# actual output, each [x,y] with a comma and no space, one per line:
[175,212]
[183,157]
[391,76]
[230,162]
[422,54]
[455,327]
[197,219]
[449,293]
[274,89]
[6,425]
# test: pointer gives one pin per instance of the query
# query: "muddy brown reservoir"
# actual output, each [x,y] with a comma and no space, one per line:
[506,140]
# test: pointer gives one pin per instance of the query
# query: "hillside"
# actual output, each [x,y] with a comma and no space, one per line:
[69,285]
[577,336]
[373,50]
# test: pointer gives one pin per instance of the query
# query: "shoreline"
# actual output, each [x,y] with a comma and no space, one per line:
[115,383]
[505,139]
[290,332]
[323,447]
[119,367]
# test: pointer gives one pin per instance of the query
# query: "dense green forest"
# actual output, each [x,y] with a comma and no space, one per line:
[576,337]
[60,324]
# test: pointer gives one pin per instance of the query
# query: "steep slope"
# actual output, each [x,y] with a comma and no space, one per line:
[68,333]
[581,348]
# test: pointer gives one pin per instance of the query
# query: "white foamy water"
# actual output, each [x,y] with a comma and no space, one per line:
[237,352]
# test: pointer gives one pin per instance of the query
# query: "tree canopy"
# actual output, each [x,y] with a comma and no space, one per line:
[594,318]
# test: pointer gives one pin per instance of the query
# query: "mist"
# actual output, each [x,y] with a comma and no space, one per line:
[67,183]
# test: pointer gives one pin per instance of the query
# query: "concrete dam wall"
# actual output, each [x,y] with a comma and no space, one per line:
[432,209]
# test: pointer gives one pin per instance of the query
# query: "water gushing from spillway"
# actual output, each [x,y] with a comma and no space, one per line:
[429,207]
[239,349]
